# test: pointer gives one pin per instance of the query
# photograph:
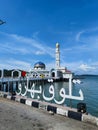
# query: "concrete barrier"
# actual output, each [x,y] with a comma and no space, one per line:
[1,94]
[28,102]
[17,99]
[61,111]
[35,104]
[13,98]
[42,106]
[8,96]
[22,100]
[90,119]
[5,95]
[75,115]
[52,108]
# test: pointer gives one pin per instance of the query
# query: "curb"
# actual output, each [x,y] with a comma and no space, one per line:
[75,115]
[51,108]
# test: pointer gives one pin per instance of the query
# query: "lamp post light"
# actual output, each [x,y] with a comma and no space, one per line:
[2,22]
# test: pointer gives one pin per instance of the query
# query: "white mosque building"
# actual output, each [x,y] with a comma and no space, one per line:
[58,73]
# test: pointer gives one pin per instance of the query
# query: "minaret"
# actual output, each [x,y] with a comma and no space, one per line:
[57,56]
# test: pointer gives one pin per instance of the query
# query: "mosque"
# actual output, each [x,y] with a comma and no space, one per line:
[58,73]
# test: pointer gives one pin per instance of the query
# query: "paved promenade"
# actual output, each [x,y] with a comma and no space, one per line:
[16,116]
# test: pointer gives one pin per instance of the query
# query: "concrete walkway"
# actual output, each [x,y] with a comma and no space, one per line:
[16,116]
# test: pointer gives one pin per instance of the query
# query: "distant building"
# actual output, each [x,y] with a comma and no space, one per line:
[39,70]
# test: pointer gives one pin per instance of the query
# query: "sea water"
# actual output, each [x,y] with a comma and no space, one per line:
[89,87]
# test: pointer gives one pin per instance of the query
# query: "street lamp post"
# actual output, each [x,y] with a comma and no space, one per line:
[2,22]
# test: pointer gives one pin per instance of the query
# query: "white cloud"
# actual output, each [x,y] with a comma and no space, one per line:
[79,67]
[91,35]
[35,44]
[50,65]
[16,51]
[7,48]
[15,64]
[79,35]
[13,43]
[39,53]
[86,67]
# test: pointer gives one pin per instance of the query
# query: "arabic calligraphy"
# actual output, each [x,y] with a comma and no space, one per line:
[32,90]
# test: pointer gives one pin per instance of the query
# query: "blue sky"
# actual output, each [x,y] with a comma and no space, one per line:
[34,26]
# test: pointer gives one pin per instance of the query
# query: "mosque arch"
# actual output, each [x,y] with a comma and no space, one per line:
[53,74]
[16,73]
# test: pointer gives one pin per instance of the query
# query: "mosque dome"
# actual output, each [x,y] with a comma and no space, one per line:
[39,65]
